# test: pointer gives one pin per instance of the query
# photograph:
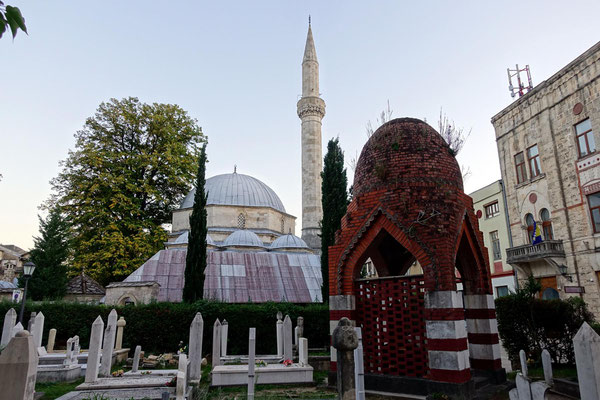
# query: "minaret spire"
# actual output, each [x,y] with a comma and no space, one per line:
[311,110]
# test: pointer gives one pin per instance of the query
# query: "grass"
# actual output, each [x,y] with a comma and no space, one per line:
[560,372]
[55,390]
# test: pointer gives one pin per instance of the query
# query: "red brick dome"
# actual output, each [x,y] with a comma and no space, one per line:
[405,152]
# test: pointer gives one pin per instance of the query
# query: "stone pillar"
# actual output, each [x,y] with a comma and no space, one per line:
[91,373]
[339,306]
[216,345]
[109,344]
[359,373]
[10,318]
[251,362]
[587,357]
[279,330]
[344,340]
[38,330]
[195,348]
[18,368]
[51,340]
[181,388]
[224,332]
[482,330]
[120,326]
[136,359]
[287,338]
[303,352]
[447,337]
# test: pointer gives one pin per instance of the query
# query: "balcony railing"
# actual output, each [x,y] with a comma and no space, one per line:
[532,252]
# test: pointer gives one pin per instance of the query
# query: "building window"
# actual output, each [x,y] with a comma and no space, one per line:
[241,221]
[501,291]
[585,138]
[282,225]
[491,210]
[594,203]
[496,245]
[530,227]
[520,165]
[533,158]
[546,224]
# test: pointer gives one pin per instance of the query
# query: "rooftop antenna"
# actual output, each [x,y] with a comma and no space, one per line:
[308,19]
[235,168]
[521,88]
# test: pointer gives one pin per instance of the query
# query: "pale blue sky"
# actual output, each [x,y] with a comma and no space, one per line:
[236,67]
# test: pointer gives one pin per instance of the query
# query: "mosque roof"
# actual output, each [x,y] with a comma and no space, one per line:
[184,239]
[243,238]
[237,190]
[289,241]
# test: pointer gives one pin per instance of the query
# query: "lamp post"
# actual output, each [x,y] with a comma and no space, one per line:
[28,269]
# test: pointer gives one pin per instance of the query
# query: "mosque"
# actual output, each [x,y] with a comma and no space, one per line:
[253,254]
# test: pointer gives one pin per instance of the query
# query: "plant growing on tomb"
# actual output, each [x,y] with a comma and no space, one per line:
[195,261]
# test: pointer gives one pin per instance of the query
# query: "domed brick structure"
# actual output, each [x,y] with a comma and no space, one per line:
[408,211]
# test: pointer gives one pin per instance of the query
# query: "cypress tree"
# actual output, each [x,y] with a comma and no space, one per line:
[195,262]
[334,201]
[50,255]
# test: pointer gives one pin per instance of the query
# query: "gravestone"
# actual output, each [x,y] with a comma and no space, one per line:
[523,359]
[31,321]
[224,332]
[587,357]
[18,368]
[345,340]
[181,387]
[120,326]
[10,318]
[136,358]
[195,348]
[547,365]
[91,373]
[72,351]
[51,340]
[359,373]
[216,350]
[303,352]
[16,329]
[279,331]
[287,338]
[109,344]
[38,329]
[251,362]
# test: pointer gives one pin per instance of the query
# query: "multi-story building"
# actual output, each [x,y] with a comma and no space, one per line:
[490,208]
[551,172]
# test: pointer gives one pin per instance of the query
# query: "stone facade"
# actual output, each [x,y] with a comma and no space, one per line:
[123,293]
[11,262]
[559,183]
[311,110]
[490,208]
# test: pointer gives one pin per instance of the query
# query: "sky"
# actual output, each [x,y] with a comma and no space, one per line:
[235,66]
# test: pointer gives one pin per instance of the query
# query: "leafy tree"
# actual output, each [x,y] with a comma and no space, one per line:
[132,164]
[50,255]
[195,261]
[11,17]
[334,201]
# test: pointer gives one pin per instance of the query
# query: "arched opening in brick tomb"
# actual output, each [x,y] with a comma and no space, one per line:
[420,333]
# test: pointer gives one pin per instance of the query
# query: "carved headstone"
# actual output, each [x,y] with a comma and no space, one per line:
[279,330]
[38,329]
[359,373]
[224,332]
[16,329]
[303,352]
[31,322]
[91,373]
[136,359]
[51,340]
[181,377]
[345,340]
[216,350]
[251,362]
[10,318]
[287,338]
[18,368]
[109,344]
[195,348]
[587,357]
[547,365]
[120,326]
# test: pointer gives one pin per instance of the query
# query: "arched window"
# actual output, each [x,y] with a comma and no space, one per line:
[241,221]
[530,222]
[282,225]
[546,224]
[550,294]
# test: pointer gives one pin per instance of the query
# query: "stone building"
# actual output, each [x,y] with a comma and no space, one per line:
[490,208]
[11,262]
[83,289]
[551,169]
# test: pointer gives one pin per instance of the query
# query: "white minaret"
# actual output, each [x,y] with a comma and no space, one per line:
[311,110]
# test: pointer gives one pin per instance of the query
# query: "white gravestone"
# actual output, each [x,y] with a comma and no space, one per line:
[120,326]
[10,319]
[587,357]
[287,338]
[279,330]
[359,368]
[17,328]
[51,340]
[303,352]
[216,345]
[224,332]
[251,362]
[38,329]
[136,359]
[109,344]
[91,373]
[195,348]
[18,368]
[523,359]
[31,322]
[181,377]
[547,365]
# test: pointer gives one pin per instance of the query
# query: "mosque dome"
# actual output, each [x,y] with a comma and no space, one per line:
[237,190]
[184,238]
[243,238]
[288,241]
[405,152]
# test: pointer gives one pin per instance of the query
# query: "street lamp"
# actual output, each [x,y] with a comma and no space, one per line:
[563,271]
[28,269]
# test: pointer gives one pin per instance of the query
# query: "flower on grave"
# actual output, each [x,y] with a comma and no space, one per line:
[261,363]
[182,350]
[172,382]
[287,363]
[118,373]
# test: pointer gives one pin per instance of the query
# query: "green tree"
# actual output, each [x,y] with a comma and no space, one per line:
[195,261]
[132,164]
[50,255]
[334,201]
[11,17]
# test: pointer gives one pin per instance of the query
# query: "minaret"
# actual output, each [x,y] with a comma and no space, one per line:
[311,110]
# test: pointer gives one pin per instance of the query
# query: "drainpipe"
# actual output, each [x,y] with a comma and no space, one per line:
[507,218]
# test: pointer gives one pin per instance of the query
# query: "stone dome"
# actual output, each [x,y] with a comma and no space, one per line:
[402,152]
[243,238]
[237,190]
[289,241]
[184,238]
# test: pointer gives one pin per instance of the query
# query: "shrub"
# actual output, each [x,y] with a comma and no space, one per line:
[159,327]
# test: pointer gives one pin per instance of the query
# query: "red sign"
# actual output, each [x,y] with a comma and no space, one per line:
[574,289]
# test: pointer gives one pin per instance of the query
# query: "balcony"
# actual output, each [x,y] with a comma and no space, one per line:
[533,252]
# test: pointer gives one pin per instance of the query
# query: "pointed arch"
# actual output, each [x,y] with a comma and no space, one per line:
[470,259]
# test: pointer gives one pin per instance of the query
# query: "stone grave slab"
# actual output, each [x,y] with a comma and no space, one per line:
[233,375]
